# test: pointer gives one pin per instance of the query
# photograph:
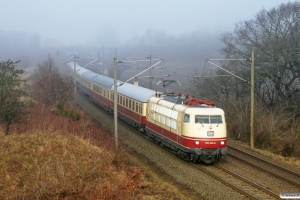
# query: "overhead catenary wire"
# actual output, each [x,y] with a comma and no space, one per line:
[227,70]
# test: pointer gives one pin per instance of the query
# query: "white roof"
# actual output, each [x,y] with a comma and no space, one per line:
[136,92]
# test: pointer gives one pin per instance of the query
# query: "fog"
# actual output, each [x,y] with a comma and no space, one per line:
[183,33]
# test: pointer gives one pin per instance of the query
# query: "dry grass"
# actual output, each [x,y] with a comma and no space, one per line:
[53,157]
[46,166]
[275,130]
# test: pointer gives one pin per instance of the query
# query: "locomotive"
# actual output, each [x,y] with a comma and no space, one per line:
[192,128]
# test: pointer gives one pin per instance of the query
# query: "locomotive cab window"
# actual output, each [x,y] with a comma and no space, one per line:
[216,119]
[186,118]
[208,119]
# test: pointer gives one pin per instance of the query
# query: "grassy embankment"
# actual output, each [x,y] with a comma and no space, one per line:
[54,157]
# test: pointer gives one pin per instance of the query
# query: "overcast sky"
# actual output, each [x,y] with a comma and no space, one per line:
[65,22]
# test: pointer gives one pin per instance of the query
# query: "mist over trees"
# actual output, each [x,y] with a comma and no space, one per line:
[20,46]
[275,37]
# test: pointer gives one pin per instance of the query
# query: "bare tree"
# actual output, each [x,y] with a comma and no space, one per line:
[275,36]
[50,86]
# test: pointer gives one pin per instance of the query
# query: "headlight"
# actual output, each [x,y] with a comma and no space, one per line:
[222,142]
[197,142]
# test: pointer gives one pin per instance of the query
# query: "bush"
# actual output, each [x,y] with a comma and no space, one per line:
[270,127]
[288,148]
[60,110]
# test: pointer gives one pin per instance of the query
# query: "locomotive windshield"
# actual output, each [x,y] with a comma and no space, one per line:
[208,119]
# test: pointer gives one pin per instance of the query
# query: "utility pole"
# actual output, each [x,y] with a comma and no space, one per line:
[75,75]
[252,102]
[150,74]
[115,102]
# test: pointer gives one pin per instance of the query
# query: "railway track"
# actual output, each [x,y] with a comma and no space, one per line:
[245,187]
[275,170]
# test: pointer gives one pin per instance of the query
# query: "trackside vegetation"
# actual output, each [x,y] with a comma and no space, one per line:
[60,110]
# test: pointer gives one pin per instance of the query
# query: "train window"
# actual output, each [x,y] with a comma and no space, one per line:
[157,117]
[174,114]
[136,107]
[173,124]
[203,119]
[168,122]
[129,105]
[186,118]
[140,110]
[123,101]
[157,108]
[208,119]
[126,102]
[216,119]
[153,106]
[168,112]
[152,115]
[161,109]
[162,119]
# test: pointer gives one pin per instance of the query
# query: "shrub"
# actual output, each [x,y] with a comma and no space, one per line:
[60,110]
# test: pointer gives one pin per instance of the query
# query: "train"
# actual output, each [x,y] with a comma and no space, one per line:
[194,129]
